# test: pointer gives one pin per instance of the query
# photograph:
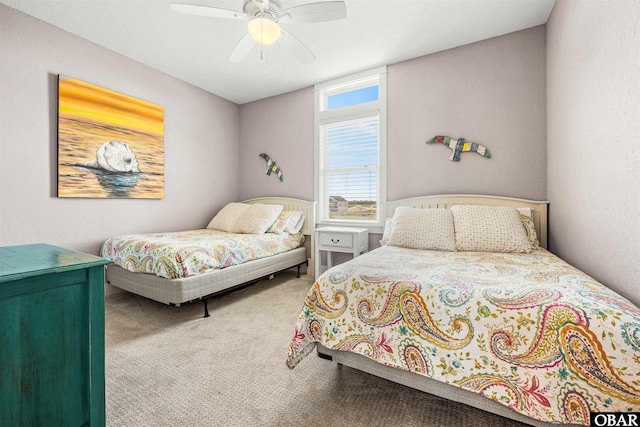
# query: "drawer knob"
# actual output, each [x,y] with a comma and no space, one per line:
[335,240]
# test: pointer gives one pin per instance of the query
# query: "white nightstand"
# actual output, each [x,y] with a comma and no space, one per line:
[339,239]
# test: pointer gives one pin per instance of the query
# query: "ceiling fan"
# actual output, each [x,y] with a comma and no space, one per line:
[264,17]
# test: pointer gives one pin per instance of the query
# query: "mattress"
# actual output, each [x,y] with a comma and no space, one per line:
[190,253]
[181,290]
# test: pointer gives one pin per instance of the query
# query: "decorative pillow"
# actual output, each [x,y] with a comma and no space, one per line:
[481,228]
[295,223]
[227,216]
[386,232]
[256,219]
[526,215]
[280,223]
[289,221]
[422,229]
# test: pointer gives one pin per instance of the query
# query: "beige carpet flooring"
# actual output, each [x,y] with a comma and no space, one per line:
[168,366]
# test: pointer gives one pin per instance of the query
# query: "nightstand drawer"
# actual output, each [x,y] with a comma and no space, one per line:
[339,239]
[336,240]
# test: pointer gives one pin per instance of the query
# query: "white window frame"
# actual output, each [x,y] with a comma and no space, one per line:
[323,116]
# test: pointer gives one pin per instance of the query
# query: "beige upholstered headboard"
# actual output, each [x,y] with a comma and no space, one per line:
[308,228]
[539,208]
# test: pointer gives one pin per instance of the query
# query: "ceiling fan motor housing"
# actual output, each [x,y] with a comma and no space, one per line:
[253,8]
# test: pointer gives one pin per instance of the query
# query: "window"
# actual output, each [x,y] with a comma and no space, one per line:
[350,138]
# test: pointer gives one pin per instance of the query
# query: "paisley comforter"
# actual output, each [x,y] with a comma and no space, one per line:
[187,253]
[527,330]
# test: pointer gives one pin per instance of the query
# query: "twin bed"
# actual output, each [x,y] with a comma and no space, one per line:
[483,317]
[462,301]
[138,259]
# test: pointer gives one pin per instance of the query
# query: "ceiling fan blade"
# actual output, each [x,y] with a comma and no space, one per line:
[214,12]
[296,47]
[315,12]
[242,49]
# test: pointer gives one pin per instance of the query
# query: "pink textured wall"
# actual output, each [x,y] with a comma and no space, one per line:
[201,142]
[282,127]
[593,117]
[491,92]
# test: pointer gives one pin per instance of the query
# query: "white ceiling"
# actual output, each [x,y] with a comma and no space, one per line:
[195,49]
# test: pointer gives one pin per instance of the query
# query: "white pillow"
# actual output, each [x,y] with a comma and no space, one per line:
[256,219]
[227,216]
[386,232]
[422,229]
[296,220]
[481,228]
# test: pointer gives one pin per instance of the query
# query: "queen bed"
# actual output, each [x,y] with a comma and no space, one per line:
[195,264]
[462,303]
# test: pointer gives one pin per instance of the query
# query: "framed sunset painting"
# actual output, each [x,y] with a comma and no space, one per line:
[109,144]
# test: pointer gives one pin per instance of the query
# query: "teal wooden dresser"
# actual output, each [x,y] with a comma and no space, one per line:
[51,337]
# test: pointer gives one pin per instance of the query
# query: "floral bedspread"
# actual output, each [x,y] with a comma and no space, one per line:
[187,253]
[526,330]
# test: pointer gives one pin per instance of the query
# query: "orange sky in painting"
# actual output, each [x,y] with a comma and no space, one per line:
[81,99]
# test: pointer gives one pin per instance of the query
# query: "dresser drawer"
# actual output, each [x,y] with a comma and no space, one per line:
[336,240]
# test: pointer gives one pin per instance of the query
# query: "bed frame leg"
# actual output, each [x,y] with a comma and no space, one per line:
[306,262]
[325,356]
[206,308]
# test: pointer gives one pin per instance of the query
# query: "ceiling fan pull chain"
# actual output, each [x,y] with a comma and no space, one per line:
[262,53]
[264,58]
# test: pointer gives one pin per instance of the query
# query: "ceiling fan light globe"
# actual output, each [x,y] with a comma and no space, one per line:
[264,31]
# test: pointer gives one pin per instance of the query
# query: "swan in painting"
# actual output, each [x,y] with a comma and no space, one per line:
[114,156]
